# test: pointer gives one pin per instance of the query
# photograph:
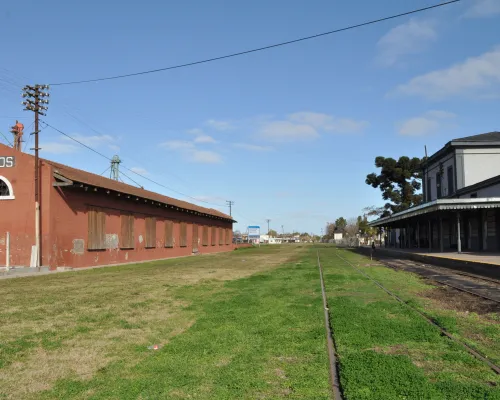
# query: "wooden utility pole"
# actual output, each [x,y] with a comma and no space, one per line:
[230,204]
[34,101]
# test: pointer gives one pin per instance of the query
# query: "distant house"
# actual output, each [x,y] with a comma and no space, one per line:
[270,240]
[338,234]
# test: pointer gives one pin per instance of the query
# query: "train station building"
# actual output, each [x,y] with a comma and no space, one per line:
[89,220]
[461,208]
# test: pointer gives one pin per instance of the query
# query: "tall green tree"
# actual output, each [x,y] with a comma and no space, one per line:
[340,223]
[272,233]
[399,181]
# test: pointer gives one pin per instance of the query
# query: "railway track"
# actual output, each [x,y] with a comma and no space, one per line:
[486,288]
[430,320]
[334,370]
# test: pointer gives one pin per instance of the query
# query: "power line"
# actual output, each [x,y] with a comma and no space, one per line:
[126,176]
[5,137]
[29,139]
[128,169]
[257,49]
[81,121]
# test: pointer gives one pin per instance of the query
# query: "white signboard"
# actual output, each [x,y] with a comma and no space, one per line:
[254,232]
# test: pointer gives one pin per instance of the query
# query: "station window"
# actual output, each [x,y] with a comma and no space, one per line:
[150,232]
[183,234]
[169,234]
[127,231]
[96,229]
[214,236]
[450,180]
[205,235]
[6,192]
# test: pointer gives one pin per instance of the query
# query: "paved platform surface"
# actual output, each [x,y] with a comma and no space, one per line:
[486,258]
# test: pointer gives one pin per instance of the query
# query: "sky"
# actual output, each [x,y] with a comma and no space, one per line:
[288,134]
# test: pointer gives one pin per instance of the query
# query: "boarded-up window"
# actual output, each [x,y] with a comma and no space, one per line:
[183,235]
[195,237]
[214,236]
[169,234]
[97,229]
[127,236]
[150,232]
[221,239]
[228,236]
[205,236]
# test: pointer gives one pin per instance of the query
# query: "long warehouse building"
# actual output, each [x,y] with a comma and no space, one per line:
[89,220]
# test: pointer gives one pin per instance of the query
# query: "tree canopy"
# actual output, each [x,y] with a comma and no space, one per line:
[340,223]
[399,181]
[272,233]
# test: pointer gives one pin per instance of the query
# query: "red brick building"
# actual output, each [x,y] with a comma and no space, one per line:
[88,220]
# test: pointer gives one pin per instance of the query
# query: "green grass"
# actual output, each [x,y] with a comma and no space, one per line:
[387,351]
[245,325]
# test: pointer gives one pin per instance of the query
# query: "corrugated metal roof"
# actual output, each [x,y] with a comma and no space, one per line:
[440,205]
[88,178]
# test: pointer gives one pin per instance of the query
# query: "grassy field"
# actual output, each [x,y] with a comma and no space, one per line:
[242,325]
[388,352]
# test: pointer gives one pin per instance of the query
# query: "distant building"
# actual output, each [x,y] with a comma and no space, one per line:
[461,208]
[338,234]
[270,240]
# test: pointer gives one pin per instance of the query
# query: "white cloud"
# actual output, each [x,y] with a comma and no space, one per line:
[139,170]
[57,148]
[466,78]
[440,114]
[219,124]
[483,8]
[307,125]
[252,147]
[204,157]
[327,122]
[204,139]
[91,140]
[195,131]
[177,145]
[190,153]
[408,38]
[284,131]
[67,145]
[431,122]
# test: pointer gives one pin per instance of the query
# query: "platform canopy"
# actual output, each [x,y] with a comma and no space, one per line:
[440,205]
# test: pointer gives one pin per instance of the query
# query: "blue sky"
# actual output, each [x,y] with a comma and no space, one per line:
[288,134]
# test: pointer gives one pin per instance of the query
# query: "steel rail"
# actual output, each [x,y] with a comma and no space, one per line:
[334,373]
[469,349]
[387,263]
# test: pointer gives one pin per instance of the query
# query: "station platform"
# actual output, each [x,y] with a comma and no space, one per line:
[485,264]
